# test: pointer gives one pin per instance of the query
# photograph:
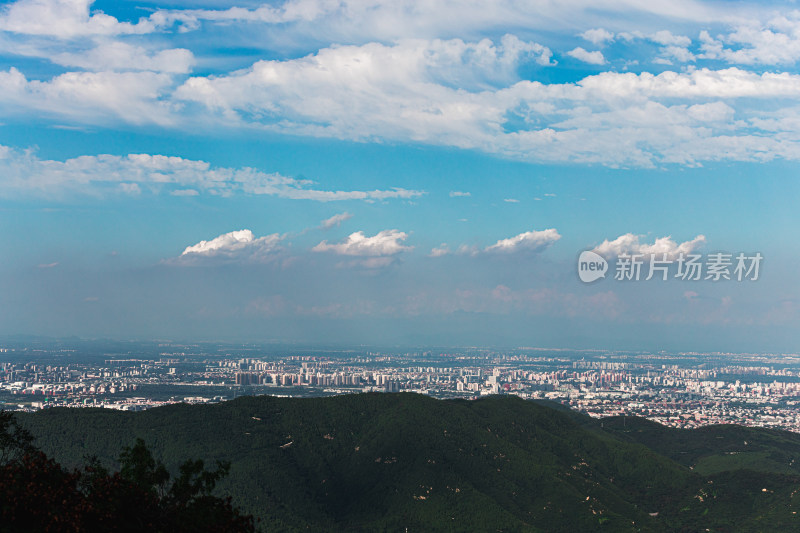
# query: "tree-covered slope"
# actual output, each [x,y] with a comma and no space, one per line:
[714,449]
[388,462]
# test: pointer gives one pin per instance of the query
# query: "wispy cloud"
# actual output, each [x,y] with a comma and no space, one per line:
[348,20]
[24,173]
[530,242]
[335,220]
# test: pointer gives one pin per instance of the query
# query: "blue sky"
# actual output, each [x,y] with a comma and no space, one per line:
[398,172]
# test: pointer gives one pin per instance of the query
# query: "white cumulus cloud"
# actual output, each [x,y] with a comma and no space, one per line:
[91,97]
[630,244]
[241,245]
[598,36]
[612,118]
[581,54]
[386,242]
[65,19]
[529,241]
[420,83]
[377,251]
[756,42]
[440,250]
[116,55]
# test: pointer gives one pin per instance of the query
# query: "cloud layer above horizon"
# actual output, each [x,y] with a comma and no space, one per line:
[691,83]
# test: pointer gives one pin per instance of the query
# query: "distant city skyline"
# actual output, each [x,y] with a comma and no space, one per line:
[684,390]
[398,172]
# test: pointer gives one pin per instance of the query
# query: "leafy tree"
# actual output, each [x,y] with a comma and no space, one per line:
[15,441]
[38,494]
[140,468]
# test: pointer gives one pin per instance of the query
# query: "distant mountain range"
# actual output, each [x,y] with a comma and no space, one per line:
[397,462]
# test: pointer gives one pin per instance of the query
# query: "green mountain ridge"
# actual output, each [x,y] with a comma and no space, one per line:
[391,462]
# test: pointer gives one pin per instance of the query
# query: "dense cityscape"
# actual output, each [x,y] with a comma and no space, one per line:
[679,390]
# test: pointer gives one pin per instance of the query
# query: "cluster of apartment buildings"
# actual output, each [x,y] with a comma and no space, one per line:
[680,390]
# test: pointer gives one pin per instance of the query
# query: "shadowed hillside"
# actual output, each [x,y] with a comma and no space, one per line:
[394,461]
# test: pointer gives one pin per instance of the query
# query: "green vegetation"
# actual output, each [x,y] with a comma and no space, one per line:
[38,494]
[387,462]
[714,449]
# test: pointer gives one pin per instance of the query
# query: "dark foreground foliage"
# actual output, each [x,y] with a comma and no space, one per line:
[38,494]
[397,462]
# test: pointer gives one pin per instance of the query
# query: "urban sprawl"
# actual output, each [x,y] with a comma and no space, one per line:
[682,390]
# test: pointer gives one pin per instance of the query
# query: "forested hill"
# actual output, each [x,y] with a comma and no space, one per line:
[387,462]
